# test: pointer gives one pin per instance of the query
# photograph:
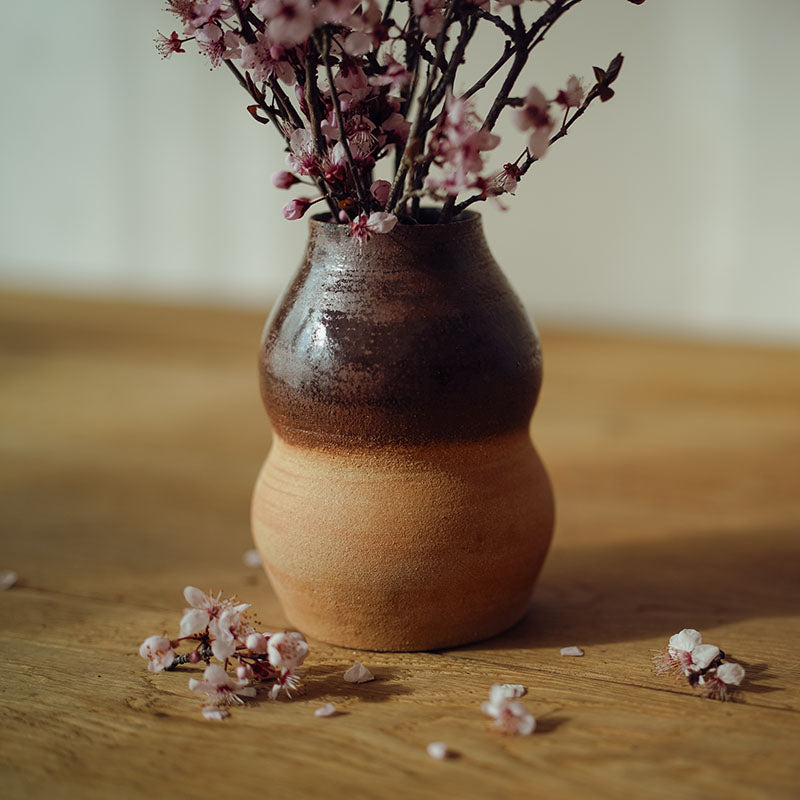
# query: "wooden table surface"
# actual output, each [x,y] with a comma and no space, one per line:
[131,436]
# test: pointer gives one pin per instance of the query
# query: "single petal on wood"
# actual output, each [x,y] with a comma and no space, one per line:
[7,579]
[251,558]
[438,750]
[358,673]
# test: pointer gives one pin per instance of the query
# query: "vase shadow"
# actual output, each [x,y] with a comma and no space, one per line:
[590,595]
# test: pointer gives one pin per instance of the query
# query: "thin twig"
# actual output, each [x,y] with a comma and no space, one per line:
[527,158]
[363,196]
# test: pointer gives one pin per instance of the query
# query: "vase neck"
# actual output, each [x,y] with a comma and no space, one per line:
[412,246]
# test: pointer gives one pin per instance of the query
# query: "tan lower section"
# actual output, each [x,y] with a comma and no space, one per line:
[404,549]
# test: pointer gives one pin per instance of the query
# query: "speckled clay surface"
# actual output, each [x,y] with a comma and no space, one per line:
[402,506]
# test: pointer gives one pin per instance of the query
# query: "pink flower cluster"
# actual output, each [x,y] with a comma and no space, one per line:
[703,665]
[348,83]
[218,628]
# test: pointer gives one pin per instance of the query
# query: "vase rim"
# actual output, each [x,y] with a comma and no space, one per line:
[324,222]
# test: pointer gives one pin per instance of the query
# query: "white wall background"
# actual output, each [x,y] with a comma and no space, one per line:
[673,207]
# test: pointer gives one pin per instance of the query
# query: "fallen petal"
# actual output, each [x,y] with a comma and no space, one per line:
[438,750]
[571,651]
[7,579]
[215,713]
[328,710]
[358,673]
[251,558]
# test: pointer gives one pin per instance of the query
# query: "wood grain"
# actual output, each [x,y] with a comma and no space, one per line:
[131,436]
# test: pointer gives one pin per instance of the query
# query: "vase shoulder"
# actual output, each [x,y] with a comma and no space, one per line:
[412,337]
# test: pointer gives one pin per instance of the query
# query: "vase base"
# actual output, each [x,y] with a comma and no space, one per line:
[404,549]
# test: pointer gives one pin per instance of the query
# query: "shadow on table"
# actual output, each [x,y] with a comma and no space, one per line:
[328,683]
[597,594]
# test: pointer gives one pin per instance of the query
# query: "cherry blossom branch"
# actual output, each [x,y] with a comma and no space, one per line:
[526,159]
[247,31]
[363,195]
[497,22]
[413,143]
[375,107]
[517,65]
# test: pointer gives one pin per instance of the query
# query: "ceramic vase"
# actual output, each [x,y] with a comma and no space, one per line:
[402,505]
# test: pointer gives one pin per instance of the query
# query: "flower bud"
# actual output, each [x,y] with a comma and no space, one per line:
[194,657]
[283,179]
[380,191]
[295,209]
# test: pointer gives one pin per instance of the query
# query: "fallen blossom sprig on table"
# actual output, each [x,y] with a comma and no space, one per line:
[348,83]
[218,628]
[509,715]
[704,666]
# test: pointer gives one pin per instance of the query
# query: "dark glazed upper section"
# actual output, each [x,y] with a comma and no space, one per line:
[413,337]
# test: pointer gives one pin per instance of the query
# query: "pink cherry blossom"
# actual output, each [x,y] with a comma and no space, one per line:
[535,114]
[167,45]
[216,45]
[296,208]
[395,76]
[357,43]
[457,146]
[718,684]
[266,58]
[505,181]
[368,30]
[204,609]
[290,21]
[200,14]
[573,95]
[183,9]
[686,654]
[220,687]
[363,226]
[397,127]
[358,673]
[337,12]
[328,710]
[227,629]
[287,650]
[509,716]
[334,164]
[287,681]
[303,158]
[431,18]
[158,652]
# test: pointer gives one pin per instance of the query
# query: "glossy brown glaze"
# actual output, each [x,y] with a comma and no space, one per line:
[413,337]
[403,505]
